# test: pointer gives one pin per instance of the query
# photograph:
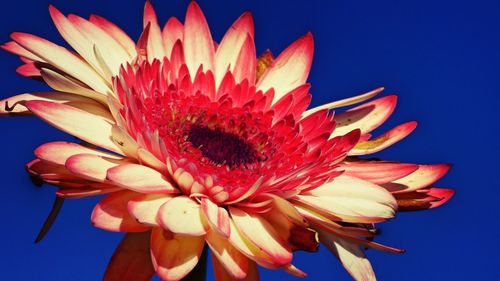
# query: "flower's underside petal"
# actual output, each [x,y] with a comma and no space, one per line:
[117,33]
[182,215]
[131,259]
[217,217]
[290,69]
[140,178]
[155,48]
[92,167]
[145,207]
[263,234]
[67,84]
[62,59]
[174,255]
[344,102]
[350,255]
[58,152]
[222,275]
[232,45]
[424,199]
[17,49]
[366,117]
[234,262]
[351,199]
[172,31]
[30,70]
[377,172]
[11,105]
[197,41]
[88,127]
[423,177]
[385,140]
[111,213]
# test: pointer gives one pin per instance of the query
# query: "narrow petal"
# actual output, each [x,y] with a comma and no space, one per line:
[350,255]
[17,49]
[234,262]
[425,176]
[263,234]
[385,140]
[58,152]
[117,33]
[91,166]
[140,178]
[198,43]
[174,255]
[155,41]
[131,259]
[246,64]
[366,117]
[144,207]
[217,217]
[290,69]
[231,47]
[423,199]
[377,172]
[172,31]
[111,213]
[182,215]
[81,124]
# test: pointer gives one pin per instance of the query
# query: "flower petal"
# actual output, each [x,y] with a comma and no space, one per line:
[182,215]
[174,255]
[423,177]
[383,141]
[111,213]
[131,259]
[145,207]
[376,171]
[263,234]
[172,31]
[423,199]
[217,217]
[290,69]
[246,64]
[117,33]
[59,151]
[140,178]
[197,42]
[222,275]
[155,41]
[91,166]
[88,127]
[234,262]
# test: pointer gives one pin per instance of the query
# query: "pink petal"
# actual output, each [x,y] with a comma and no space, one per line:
[290,69]
[246,64]
[145,207]
[183,216]
[117,33]
[111,213]
[197,42]
[17,49]
[172,31]
[377,172]
[234,262]
[217,217]
[174,255]
[140,178]
[425,176]
[58,152]
[263,234]
[131,259]
[383,141]
[155,41]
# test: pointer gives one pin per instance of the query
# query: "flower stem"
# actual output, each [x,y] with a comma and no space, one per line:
[199,273]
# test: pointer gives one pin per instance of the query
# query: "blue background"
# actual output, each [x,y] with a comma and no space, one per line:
[441,57]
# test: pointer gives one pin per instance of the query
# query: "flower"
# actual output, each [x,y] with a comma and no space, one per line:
[195,142]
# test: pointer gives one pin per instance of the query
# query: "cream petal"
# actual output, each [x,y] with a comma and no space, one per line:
[117,33]
[424,176]
[144,208]
[155,40]
[234,262]
[58,152]
[140,178]
[217,217]
[222,275]
[378,172]
[91,166]
[182,215]
[172,31]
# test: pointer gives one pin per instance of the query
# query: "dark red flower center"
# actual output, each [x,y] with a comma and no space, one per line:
[222,148]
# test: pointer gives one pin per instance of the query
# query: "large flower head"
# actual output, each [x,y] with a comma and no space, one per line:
[202,143]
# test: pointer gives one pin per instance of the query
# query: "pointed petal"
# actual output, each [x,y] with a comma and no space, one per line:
[144,208]
[88,127]
[216,216]
[117,33]
[198,43]
[350,255]
[17,49]
[385,140]
[59,151]
[290,69]
[155,40]
[366,117]
[231,47]
[246,64]
[234,262]
[182,215]
[377,172]
[111,213]
[140,178]
[423,177]
[131,259]
[174,255]
[172,31]
[263,234]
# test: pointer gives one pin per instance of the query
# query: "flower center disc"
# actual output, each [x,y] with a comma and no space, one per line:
[221,147]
